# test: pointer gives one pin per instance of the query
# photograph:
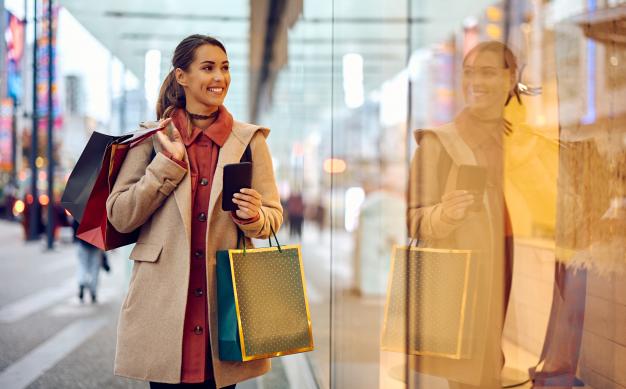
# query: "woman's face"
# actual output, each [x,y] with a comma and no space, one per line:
[486,83]
[207,79]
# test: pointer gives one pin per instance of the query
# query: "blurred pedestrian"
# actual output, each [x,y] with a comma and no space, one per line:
[89,262]
[29,207]
[10,195]
[295,214]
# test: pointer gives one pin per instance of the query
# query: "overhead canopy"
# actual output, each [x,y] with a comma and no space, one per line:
[269,25]
[606,25]
[261,36]
[130,28]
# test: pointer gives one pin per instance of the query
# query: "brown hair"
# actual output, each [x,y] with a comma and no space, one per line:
[509,61]
[172,94]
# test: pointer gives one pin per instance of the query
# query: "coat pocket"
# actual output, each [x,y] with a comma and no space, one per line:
[146,252]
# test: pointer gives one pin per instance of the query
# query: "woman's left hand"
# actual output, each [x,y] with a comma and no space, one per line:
[249,202]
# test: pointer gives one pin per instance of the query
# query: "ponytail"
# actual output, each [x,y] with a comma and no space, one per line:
[171,95]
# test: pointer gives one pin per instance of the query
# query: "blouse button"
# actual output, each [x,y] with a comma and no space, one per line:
[198,292]
[204,182]
[198,330]
[202,217]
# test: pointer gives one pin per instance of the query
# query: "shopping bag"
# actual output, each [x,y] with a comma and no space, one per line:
[90,184]
[429,305]
[263,310]
[85,172]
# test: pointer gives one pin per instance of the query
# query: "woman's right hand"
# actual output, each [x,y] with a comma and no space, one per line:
[174,144]
[454,204]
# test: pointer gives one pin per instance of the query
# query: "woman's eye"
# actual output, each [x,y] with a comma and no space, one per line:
[209,68]
[226,68]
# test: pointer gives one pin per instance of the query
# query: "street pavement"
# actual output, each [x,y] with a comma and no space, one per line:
[50,340]
[47,338]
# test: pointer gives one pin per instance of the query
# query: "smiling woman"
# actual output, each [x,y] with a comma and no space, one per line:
[168,327]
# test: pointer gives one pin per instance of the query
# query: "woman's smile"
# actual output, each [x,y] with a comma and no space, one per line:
[217,91]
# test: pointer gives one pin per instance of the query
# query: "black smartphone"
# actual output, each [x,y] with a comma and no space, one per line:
[473,179]
[236,177]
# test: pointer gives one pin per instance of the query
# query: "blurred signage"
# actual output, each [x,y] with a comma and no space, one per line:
[6,120]
[43,59]
[14,37]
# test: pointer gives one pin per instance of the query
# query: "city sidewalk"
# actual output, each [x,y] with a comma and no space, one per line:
[47,338]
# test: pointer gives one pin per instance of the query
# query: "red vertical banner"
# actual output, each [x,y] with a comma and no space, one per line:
[6,120]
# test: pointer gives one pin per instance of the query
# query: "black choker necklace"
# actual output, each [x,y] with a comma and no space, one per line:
[196,116]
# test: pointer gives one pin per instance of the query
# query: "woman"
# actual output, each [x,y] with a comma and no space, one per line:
[444,216]
[167,331]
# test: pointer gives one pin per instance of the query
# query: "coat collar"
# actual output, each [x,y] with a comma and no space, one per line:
[230,152]
[451,141]
[218,131]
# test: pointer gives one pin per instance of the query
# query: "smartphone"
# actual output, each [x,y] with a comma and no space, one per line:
[473,179]
[236,177]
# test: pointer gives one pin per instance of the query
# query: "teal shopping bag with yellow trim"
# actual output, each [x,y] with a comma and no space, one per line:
[263,310]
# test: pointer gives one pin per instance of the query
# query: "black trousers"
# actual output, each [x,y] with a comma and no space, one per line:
[203,385]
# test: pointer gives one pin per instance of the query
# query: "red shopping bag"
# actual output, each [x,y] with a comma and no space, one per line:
[94,226]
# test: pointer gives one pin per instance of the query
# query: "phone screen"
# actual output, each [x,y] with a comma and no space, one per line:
[473,179]
[236,177]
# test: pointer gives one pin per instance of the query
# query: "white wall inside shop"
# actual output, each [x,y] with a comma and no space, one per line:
[81,54]
[99,82]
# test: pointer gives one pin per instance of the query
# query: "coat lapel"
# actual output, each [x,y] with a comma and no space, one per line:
[231,152]
[182,194]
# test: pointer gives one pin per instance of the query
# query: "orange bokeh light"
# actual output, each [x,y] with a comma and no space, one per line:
[334,165]
[44,199]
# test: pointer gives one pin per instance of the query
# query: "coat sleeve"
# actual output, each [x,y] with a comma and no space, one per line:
[424,206]
[141,187]
[264,182]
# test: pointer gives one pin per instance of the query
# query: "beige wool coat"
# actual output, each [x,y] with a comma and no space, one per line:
[155,196]
[434,171]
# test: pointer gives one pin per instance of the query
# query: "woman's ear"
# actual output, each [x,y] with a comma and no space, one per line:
[181,76]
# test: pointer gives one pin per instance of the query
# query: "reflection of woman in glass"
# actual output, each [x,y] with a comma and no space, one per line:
[442,215]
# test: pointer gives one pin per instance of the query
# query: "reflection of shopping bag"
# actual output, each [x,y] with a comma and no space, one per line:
[429,302]
[263,310]
[91,182]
